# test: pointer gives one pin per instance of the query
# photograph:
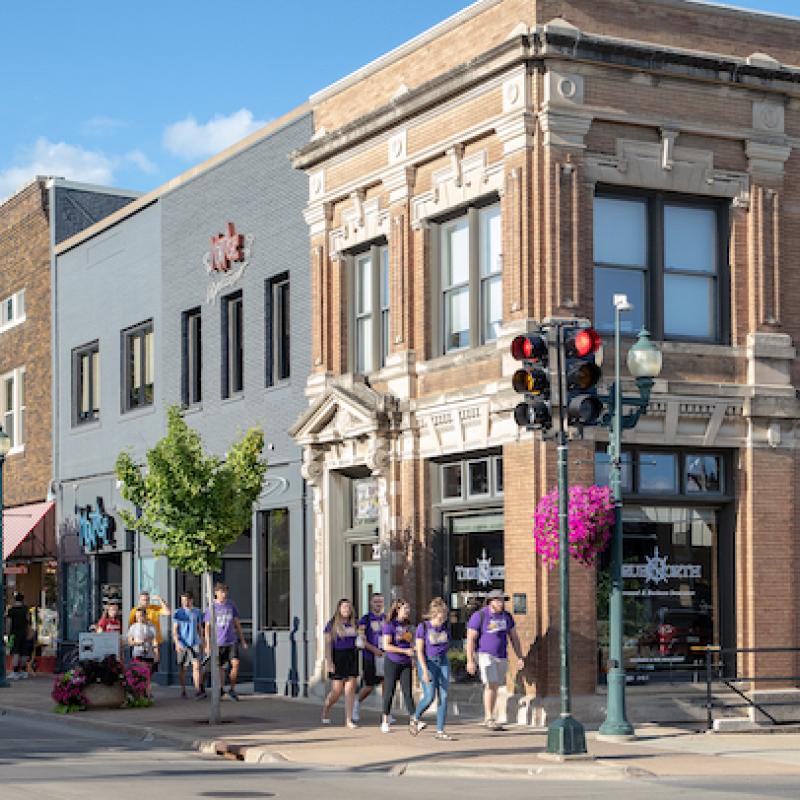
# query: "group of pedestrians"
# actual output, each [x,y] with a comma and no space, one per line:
[383,649]
[191,636]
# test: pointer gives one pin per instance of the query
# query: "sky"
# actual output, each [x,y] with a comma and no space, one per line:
[132,93]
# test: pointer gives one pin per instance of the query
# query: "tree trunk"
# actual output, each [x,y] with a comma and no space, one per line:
[214,717]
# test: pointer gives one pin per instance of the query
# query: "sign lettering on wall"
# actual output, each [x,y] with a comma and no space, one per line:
[96,528]
[226,260]
[657,570]
[483,573]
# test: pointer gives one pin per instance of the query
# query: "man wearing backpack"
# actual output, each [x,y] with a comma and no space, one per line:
[488,632]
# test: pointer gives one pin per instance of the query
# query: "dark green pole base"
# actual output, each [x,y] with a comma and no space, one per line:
[616,721]
[4,684]
[566,737]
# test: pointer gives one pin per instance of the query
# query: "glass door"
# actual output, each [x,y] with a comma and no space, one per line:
[366,573]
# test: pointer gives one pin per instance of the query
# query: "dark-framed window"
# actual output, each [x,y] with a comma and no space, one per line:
[370,315]
[232,345]
[138,366]
[86,383]
[277,327]
[669,254]
[277,590]
[693,473]
[470,277]
[191,357]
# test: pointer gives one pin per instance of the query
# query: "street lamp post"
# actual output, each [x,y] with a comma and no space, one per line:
[5,446]
[644,363]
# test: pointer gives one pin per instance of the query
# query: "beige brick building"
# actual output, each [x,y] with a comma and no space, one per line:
[527,158]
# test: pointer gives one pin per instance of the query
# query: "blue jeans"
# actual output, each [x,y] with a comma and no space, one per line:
[439,673]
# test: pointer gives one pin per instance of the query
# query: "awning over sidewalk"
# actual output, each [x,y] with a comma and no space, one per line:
[28,531]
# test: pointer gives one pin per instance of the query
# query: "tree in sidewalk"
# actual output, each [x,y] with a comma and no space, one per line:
[193,505]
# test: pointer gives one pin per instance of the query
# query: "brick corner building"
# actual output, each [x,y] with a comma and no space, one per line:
[527,158]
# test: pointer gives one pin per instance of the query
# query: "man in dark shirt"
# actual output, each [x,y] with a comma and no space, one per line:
[18,626]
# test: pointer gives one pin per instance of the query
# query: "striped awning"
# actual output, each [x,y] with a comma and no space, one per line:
[19,522]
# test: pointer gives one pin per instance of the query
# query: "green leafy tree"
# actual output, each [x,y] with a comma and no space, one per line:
[193,505]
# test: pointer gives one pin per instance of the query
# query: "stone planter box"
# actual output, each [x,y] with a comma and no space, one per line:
[101,696]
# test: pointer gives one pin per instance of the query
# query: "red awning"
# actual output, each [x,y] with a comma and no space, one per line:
[19,522]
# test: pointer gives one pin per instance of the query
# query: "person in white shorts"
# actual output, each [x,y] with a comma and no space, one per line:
[488,632]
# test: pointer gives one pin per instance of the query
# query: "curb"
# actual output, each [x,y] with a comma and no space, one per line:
[596,770]
[143,733]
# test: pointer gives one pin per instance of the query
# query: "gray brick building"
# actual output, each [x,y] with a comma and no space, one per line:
[208,275]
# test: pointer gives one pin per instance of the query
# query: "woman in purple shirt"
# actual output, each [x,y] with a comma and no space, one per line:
[397,644]
[341,660]
[433,642]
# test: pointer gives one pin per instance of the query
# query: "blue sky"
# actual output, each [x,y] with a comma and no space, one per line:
[132,93]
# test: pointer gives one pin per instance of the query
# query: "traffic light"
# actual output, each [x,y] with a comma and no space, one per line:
[581,375]
[532,380]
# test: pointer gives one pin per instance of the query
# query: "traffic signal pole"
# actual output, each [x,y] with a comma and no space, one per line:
[565,736]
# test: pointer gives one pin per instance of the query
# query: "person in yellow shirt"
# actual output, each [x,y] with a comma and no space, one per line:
[153,612]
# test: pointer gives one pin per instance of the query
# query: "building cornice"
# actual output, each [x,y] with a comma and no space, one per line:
[555,42]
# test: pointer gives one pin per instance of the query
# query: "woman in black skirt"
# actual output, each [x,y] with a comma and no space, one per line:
[341,659]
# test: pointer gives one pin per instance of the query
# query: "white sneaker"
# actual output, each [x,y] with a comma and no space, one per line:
[12,676]
[356,711]
[385,727]
[23,676]
[326,720]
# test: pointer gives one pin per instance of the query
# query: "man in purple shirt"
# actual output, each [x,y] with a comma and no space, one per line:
[229,632]
[370,627]
[488,631]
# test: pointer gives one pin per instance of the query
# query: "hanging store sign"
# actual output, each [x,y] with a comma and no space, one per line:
[226,260]
[365,497]
[96,527]
[483,574]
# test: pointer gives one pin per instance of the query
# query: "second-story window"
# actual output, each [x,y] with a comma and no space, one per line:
[232,345]
[192,358]
[86,383]
[277,329]
[12,310]
[12,406]
[138,352]
[371,309]
[666,253]
[470,278]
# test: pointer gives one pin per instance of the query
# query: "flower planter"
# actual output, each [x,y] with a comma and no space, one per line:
[101,696]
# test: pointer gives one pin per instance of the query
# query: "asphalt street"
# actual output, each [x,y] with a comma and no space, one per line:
[54,761]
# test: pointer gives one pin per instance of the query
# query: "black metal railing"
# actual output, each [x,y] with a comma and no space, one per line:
[720,670]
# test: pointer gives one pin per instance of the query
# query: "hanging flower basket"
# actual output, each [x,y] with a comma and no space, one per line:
[591,519]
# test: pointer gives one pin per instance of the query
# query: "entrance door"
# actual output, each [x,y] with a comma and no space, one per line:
[366,574]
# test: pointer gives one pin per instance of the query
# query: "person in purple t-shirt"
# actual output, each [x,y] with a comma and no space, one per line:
[230,637]
[488,631]
[341,661]
[370,627]
[397,638]
[433,642]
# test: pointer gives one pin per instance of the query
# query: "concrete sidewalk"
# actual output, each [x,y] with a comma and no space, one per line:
[264,728]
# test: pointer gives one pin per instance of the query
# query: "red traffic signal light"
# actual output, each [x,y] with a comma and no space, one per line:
[585,342]
[528,348]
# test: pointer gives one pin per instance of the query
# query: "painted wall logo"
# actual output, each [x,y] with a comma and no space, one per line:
[657,570]
[484,573]
[227,250]
[95,527]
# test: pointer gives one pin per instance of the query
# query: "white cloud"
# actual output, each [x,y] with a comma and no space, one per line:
[60,159]
[190,139]
[72,162]
[139,159]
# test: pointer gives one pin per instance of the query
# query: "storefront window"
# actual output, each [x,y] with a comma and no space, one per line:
[451,481]
[702,474]
[478,478]
[670,591]
[77,593]
[601,464]
[476,559]
[658,472]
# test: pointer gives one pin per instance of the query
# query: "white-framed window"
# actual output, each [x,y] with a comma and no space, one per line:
[471,479]
[12,407]
[370,317]
[470,278]
[12,311]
